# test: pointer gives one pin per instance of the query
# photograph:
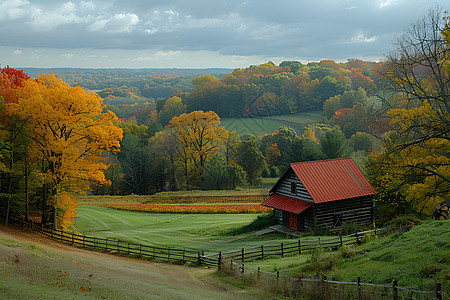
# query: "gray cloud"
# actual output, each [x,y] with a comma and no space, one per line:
[308,30]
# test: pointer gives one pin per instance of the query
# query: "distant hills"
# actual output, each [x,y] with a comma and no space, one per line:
[34,72]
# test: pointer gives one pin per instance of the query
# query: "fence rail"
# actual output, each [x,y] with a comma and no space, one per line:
[321,288]
[117,246]
[298,246]
[337,289]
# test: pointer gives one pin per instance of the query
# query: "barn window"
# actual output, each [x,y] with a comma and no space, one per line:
[293,188]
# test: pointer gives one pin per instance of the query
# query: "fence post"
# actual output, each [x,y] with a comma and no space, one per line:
[262,252]
[168,254]
[438,294]
[83,242]
[199,259]
[259,270]
[51,230]
[220,260]
[242,255]
[299,247]
[323,284]
[72,238]
[394,290]
[282,250]
[357,239]
[140,249]
[106,245]
[128,248]
[184,256]
[242,268]
[358,284]
[340,238]
[278,277]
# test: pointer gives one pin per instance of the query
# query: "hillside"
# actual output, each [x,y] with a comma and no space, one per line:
[417,259]
[36,268]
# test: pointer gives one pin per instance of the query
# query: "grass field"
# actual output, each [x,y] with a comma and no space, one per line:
[38,269]
[418,259]
[258,126]
[207,232]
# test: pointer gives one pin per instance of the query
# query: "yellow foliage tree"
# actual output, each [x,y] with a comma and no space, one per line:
[69,133]
[200,136]
[414,163]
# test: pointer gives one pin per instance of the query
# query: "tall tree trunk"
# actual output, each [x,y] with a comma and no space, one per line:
[26,186]
[54,211]
[8,203]
[44,203]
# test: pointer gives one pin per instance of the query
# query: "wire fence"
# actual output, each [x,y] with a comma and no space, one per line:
[226,262]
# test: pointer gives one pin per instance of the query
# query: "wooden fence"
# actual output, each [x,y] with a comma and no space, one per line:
[116,246]
[295,247]
[287,285]
[321,288]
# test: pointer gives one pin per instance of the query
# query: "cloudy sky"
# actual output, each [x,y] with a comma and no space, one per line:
[199,33]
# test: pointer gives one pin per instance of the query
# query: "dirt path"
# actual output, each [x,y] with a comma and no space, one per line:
[34,267]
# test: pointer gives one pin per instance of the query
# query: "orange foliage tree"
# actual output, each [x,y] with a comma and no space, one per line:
[69,134]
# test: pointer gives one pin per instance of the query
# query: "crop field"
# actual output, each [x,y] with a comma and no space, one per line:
[254,196]
[259,126]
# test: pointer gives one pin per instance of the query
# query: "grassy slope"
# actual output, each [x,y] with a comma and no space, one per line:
[32,270]
[258,126]
[418,259]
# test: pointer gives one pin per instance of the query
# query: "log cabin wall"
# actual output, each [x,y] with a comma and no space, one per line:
[285,187]
[334,214]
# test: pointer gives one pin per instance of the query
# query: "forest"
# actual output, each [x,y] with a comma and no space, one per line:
[117,132]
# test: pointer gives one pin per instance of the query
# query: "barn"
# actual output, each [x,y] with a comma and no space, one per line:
[322,194]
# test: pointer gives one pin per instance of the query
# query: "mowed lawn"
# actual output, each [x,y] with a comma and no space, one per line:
[207,232]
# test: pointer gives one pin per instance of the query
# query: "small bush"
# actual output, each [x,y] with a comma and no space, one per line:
[405,220]
[321,262]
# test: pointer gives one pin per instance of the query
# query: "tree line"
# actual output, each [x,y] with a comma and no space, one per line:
[395,114]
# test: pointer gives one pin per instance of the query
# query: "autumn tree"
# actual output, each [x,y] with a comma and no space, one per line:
[200,136]
[272,155]
[172,108]
[69,135]
[414,161]
[13,137]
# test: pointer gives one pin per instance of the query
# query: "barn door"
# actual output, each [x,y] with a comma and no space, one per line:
[293,221]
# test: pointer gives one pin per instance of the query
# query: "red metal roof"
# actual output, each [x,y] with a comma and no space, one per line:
[281,202]
[333,179]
